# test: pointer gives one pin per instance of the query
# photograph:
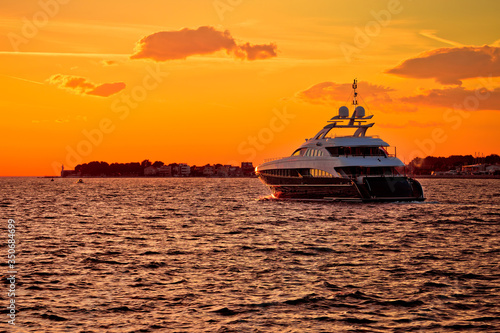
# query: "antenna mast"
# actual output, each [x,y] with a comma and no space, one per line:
[355,86]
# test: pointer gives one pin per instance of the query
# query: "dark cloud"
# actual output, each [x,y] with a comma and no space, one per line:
[458,98]
[170,45]
[372,95]
[451,65]
[331,92]
[107,89]
[255,52]
[83,86]
[109,62]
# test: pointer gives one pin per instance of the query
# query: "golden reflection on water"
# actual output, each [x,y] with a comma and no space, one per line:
[208,255]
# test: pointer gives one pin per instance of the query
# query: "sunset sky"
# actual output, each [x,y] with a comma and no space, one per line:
[226,81]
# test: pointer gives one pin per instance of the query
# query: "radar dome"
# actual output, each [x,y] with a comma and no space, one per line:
[360,112]
[343,112]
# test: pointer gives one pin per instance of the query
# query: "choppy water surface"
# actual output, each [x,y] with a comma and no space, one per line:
[206,255]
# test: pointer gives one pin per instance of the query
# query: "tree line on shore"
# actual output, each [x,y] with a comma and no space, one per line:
[136,169]
[425,166]
[98,168]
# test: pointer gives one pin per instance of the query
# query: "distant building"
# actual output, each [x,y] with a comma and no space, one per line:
[247,169]
[184,170]
[493,169]
[222,170]
[196,171]
[68,173]
[174,167]
[481,169]
[165,171]
[235,171]
[476,168]
[208,170]
[150,171]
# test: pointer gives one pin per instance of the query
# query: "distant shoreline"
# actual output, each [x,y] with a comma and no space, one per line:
[414,176]
[146,177]
[459,176]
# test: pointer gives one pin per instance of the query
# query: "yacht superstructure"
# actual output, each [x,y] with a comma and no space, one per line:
[354,167]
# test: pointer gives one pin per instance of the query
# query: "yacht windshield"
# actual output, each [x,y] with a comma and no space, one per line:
[356,151]
[355,171]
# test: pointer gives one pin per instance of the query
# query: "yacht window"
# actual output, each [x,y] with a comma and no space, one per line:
[334,151]
[299,152]
[382,152]
[356,151]
[281,172]
[310,152]
[304,172]
[341,172]
[319,173]
[355,171]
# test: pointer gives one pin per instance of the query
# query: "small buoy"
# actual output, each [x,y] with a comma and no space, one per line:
[79,181]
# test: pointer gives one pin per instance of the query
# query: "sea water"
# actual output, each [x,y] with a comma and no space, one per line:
[216,255]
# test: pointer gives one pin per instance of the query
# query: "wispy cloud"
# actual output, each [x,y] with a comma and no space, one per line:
[170,45]
[21,79]
[451,65]
[83,86]
[66,54]
[432,35]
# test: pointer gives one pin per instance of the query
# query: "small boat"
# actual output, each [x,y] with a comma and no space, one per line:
[80,181]
[355,167]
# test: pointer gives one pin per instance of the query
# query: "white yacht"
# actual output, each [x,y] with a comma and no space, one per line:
[329,167]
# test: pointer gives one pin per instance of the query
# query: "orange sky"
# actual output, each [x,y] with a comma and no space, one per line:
[226,81]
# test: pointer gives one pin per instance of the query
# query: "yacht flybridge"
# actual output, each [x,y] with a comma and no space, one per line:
[355,167]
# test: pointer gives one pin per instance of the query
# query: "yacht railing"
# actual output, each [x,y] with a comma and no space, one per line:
[389,151]
[335,135]
[274,159]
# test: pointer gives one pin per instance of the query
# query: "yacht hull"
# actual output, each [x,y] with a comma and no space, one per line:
[381,188]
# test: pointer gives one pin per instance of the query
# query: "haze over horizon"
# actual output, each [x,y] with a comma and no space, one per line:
[224,81]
